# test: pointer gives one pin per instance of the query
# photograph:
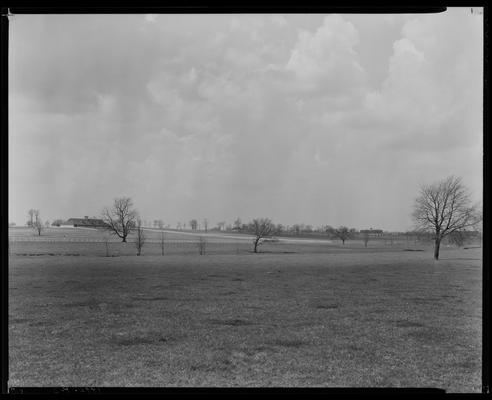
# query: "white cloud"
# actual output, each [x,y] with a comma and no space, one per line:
[327,57]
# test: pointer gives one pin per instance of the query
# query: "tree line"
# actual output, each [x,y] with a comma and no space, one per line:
[441,210]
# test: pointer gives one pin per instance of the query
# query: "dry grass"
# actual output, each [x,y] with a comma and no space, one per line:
[376,319]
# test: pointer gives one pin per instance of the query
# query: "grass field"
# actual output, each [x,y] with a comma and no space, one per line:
[343,317]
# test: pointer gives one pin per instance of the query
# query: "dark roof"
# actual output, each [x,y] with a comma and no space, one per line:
[86,222]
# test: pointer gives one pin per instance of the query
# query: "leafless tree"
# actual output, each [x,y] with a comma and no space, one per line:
[237,224]
[139,238]
[37,224]
[193,224]
[31,213]
[105,240]
[202,244]
[365,238]
[205,224]
[279,228]
[444,207]
[162,243]
[342,232]
[121,217]
[261,228]
[160,224]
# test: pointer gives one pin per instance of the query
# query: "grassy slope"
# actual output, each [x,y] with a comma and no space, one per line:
[341,319]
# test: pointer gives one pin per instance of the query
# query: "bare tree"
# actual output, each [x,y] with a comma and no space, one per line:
[37,224]
[193,224]
[121,217]
[162,243]
[30,221]
[202,244]
[160,224]
[279,229]
[237,224]
[139,238]
[261,228]
[365,238]
[205,224]
[444,207]
[342,232]
[105,240]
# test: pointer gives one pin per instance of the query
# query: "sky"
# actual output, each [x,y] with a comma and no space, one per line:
[302,118]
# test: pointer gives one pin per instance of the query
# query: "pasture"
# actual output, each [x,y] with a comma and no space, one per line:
[298,314]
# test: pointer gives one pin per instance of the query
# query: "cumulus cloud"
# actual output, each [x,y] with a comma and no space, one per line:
[326,60]
[302,118]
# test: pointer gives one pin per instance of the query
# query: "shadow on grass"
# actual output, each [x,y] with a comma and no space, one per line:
[327,306]
[157,298]
[402,323]
[295,343]
[138,340]
[231,322]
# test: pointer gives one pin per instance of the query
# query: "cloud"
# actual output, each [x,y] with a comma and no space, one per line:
[302,118]
[326,60]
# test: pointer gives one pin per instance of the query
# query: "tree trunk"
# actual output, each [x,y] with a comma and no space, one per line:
[437,244]
[124,240]
[256,246]
[343,241]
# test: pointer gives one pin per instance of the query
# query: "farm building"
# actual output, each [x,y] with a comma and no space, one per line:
[85,222]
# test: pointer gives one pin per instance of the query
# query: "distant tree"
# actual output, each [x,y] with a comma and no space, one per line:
[106,238]
[160,224]
[296,229]
[37,224]
[365,238]
[261,228]
[47,224]
[205,224]
[202,244]
[140,237]
[57,222]
[445,207]
[121,217]
[30,221]
[178,226]
[11,224]
[457,238]
[342,232]
[237,224]
[279,228]
[193,224]
[162,243]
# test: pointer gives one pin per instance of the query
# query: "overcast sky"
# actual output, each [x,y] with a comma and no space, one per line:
[316,119]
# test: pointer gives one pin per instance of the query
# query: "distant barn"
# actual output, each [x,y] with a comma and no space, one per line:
[85,222]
